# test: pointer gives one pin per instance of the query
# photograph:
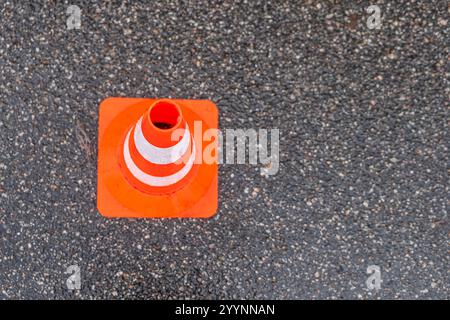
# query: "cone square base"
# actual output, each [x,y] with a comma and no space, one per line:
[116,198]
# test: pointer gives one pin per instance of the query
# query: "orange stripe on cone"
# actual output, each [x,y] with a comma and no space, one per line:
[155,169]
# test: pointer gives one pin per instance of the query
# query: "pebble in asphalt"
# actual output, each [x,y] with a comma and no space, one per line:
[363,179]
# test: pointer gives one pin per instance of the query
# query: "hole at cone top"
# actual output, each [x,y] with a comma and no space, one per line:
[165,115]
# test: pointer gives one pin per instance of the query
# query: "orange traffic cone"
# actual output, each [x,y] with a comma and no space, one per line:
[149,162]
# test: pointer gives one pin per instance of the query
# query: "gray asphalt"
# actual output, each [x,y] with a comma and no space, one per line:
[363,115]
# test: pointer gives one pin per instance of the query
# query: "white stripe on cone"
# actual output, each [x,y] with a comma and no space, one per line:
[153,180]
[156,154]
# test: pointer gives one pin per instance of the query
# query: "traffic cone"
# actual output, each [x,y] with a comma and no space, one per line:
[150,159]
